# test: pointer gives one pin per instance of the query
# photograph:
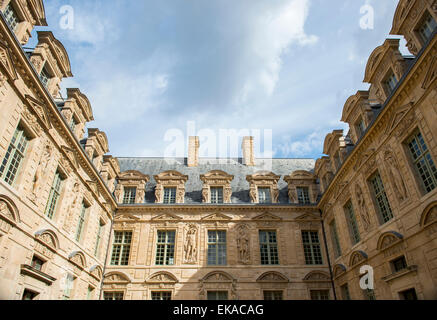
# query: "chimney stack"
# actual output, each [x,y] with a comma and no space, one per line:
[248,151]
[193,152]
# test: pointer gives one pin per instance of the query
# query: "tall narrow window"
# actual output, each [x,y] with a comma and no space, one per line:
[360,127]
[352,223]
[90,293]
[217,248]
[68,287]
[303,195]
[161,295]
[217,195]
[391,82]
[423,162]
[44,76]
[55,193]
[165,248]
[81,224]
[169,195]
[37,263]
[345,294]
[268,248]
[311,247]
[335,239]
[129,195]
[217,295]
[264,195]
[384,209]
[73,124]
[14,156]
[273,295]
[121,248]
[427,27]
[99,238]
[11,17]
[113,296]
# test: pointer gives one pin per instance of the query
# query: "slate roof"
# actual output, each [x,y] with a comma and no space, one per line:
[240,187]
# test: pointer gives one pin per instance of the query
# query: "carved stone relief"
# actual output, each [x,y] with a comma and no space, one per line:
[190,245]
[243,244]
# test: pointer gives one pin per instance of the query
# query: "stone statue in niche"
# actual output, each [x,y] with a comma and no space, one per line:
[71,208]
[158,195]
[243,245]
[275,195]
[41,170]
[118,191]
[252,193]
[190,245]
[395,176]
[227,194]
[141,194]
[205,194]
[362,208]
[292,195]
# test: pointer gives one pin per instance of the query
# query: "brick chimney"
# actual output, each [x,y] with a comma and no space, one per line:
[193,151]
[248,151]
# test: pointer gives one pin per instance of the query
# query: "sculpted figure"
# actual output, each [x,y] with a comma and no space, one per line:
[275,195]
[243,245]
[41,170]
[395,176]
[71,208]
[205,194]
[227,194]
[362,208]
[158,195]
[252,193]
[190,246]
[118,191]
[292,195]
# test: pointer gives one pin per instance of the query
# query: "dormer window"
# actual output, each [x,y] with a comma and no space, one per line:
[391,82]
[129,195]
[73,124]
[264,195]
[427,27]
[11,17]
[360,127]
[169,195]
[303,195]
[44,76]
[217,195]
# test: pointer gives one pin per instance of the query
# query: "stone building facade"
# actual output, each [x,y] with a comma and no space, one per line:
[77,223]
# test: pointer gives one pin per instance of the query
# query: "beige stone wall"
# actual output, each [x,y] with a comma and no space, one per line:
[187,280]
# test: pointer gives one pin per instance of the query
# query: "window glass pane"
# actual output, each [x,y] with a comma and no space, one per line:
[164,295]
[14,156]
[264,195]
[268,248]
[217,195]
[335,239]
[55,193]
[303,195]
[165,247]
[217,295]
[319,294]
[311,246]
[129,195]
[384,209]
[113,295]
[217,248]
[121,248]
[352,223]
[11,17]
[273,295]
[427,27]
[169,195]
[81,223]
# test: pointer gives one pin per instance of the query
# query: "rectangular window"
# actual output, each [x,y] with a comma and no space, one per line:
[427,27]
[99,238]
[113,296]
[90,293]
[29,295]
[169,195]
[391,82]
[129,195]
[335,239]
[311,247]
[399,264]
[345,294]
[217,195]
[73,124]
[69,283]
[14,156]
[11,17]
[81,223]
[361,128]
[423,163]
[264,195]
[384,209]
[268,247]
[55,193]
[165,248]
[37,263]
[409,294]
[44,76]
[319,294]
[303,195]
[121,248]
[352,223]
[161,295]
[217,248]
[273,295]
[217,295]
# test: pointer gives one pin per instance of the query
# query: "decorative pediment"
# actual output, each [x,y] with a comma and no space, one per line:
[357,257]
[431,75]
[267,217]
[71,155]
[93,186]
[263,177]
[300,175]
[171,175]
[48,238]
[272,277]
[78,258]
[6,61]
[162,277]
[401,14]
[217,217]
[339,269]
[399,115]
[389,239]
[317,276]
[217,277]
[308,216]
[97,272]
[8,210]
[429,215]
[116,278]
[364,158]
[216,175]
[374,60]
[82,101]
[39,109]
[133,175]
[126,217]
[167,217]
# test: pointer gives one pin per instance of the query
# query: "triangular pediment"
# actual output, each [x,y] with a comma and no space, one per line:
[6,61]
[217,217]
[166,217]
[399,115]
[126,217]
[431,75]
[267,217]
[39,109]
[308,216]
[71,156]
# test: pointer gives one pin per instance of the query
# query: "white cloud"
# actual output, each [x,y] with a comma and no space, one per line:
[303,147]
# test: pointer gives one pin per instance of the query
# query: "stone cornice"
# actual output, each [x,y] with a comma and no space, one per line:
[200,207]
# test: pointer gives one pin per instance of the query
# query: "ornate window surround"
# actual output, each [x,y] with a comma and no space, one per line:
[172,179]
[131,179]
[303,179]
[263,179]
[216,178]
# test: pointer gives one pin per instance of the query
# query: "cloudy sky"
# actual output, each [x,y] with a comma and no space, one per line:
[149,67]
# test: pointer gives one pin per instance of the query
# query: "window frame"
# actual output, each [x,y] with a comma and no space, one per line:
[335,238]
[218,197]
[351,219]
[17,19]
[273,295]
[264,200]
[390,82]
[54,195]
[382,195]
[270,248]
[129,195]
[161,295]
[220,247]
[168,248]
[423,21]
[314,258]
[217,295]
[303,198]
[123,247]
[113,294]
[170,198]
[84,212]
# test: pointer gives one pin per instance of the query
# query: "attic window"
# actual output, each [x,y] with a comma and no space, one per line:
[361,127]
[11,17]
[426,27]
[391,82]
[44,77]
[73,124]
